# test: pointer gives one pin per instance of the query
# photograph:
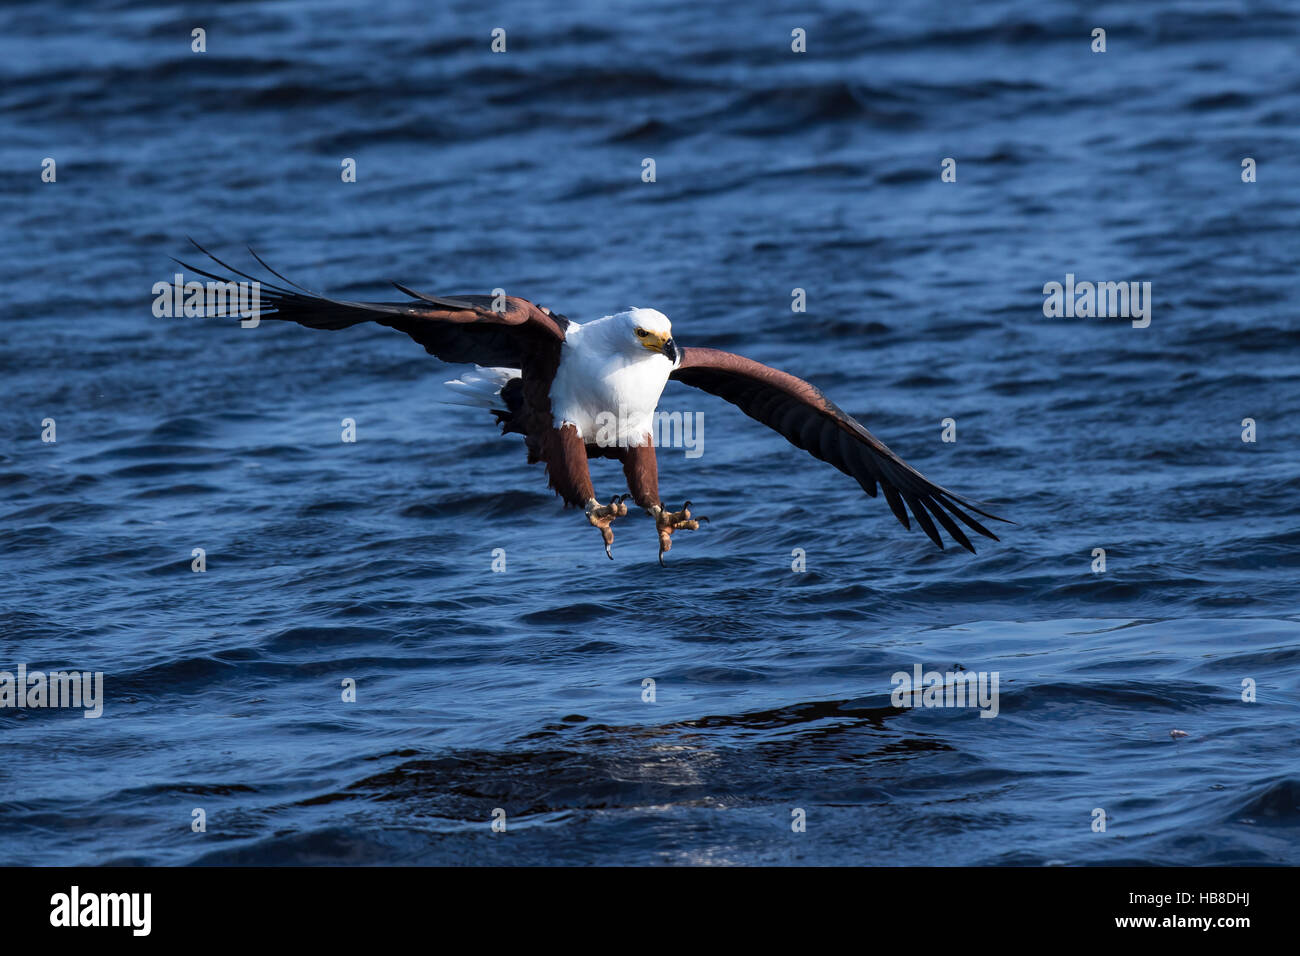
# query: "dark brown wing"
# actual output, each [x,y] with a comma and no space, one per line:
[811,421]
[456,329]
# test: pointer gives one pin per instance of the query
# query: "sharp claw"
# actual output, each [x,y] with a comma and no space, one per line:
[602,516]
[669,521]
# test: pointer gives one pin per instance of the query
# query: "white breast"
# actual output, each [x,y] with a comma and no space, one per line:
[606,393]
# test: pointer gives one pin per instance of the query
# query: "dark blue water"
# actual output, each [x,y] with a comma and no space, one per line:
[522,690]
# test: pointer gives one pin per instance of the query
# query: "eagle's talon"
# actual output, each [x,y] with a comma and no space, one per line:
[602,516]
[666,522]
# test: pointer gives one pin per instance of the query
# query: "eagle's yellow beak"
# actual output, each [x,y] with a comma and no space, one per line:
[661,343]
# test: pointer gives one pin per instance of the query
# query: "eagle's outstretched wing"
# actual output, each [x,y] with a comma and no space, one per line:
[811,421]
[456,329]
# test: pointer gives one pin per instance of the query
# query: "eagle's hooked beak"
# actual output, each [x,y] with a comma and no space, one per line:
[660,342]
[669,349]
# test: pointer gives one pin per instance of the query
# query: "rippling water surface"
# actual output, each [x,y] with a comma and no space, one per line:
[523,690]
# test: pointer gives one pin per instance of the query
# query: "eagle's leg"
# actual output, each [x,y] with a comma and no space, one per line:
[567,471]
[641,468]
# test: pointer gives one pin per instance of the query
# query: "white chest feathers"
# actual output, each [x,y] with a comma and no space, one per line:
[607,391]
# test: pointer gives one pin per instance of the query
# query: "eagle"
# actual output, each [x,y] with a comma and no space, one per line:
[556,381]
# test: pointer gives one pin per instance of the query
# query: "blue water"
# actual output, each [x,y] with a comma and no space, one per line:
[522,690]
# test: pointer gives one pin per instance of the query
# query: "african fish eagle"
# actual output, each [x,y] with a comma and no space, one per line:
[551,379]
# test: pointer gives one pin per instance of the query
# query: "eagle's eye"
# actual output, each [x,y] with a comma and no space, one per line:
[641,333]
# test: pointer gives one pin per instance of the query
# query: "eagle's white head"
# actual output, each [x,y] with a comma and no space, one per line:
[638,331]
